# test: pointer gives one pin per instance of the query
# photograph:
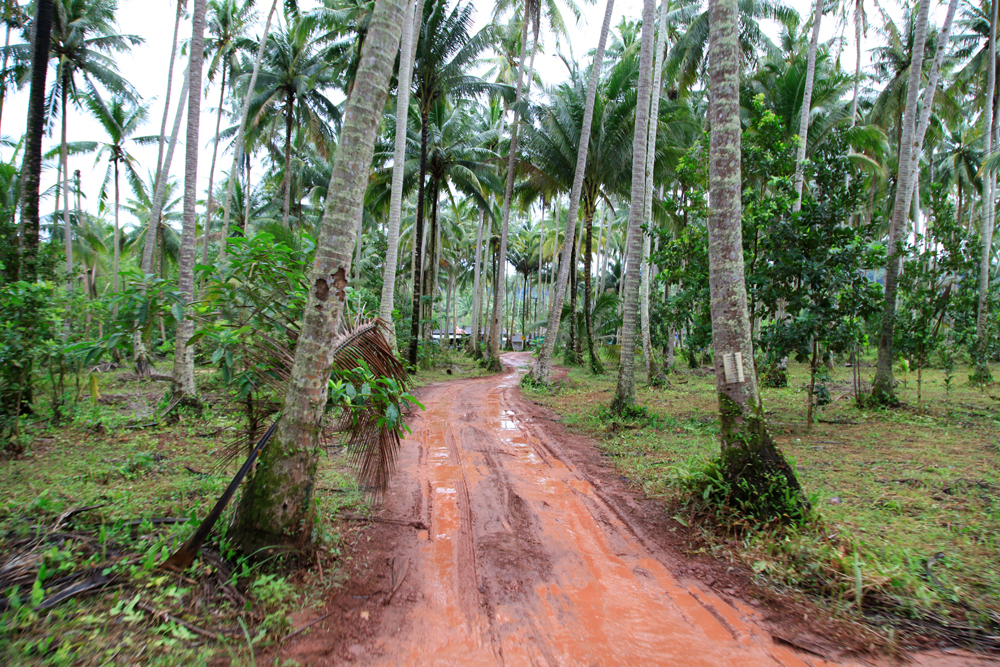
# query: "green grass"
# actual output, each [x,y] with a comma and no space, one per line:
[908,491]
[134,476]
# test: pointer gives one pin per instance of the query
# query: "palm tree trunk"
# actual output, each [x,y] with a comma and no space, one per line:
[588,305]
[882,388]
[858,25]
[183,384]
[276,508]
[240,136]
[989,203]
[434,257]
[493,349]
[625,392]
[31,165]
[3,69]
[800,157]
[406,49]
[211,170]
[418,239]
[286,182]
[749,454]
[540,371]
[166,100]
[67,229]
[572,345]
[652,368]
[117,255]
[476,286]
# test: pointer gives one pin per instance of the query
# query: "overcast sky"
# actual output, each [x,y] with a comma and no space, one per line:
[146,68]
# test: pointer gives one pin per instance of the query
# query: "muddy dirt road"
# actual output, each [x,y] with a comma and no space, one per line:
[525,561]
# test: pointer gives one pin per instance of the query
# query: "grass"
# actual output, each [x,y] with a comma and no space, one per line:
[908,501]
[223,608]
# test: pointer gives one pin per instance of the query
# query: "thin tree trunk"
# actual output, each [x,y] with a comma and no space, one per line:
[540,371]
[595,364]
[276,507]
[67,229]
[858,25]
[625,392]
[476,286]
[3,69]
[183,384]
[161,140]
[800,157]
[749,454]
[240,136]
[493,349]
[31,166]
[882,389]
[211,170]
[989,200]
[406,49]
[652,368]
[418,239]
[286,182]
[117,254]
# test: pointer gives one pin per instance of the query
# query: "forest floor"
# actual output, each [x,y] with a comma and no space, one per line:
[522,527]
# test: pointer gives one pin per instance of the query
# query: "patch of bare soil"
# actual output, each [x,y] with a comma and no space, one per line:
[506,540]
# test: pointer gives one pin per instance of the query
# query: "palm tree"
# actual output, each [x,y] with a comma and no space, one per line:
[31,167]
[277,504]
[407,49]
[444,54]
[625,391]
[540,371]
[807,91]
[749,452]
[13,16]
[183,382]
[83,39]
[228,21]
[882,387]
[291,86]
[120,120]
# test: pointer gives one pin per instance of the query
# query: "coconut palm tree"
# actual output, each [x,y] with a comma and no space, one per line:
[807,91]
[183,377]
[228,21]
[625,391]
[292,86]
[445,53]
[120,120]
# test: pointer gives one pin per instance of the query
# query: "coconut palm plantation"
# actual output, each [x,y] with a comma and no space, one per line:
[441,332]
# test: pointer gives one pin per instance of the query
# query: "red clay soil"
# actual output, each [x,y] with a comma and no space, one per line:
[505,540]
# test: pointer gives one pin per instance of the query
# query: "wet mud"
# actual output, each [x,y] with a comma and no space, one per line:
[516,550]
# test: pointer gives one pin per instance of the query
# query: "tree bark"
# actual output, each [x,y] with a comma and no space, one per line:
[31,166]
[64,160]
[418,239]
[117,254]
[652,368]
[405,76]
[211,170]
[800,157]
[240,137]
[882,388]
[477,302]
[543,365]
[625,392]
[858,25]
[989,199]
[276,508]
[183,384]
[748,452]
[595,364]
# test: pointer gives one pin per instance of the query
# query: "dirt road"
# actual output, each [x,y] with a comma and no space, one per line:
[524,561]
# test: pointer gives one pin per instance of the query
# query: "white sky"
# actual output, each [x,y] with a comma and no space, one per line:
[146,68]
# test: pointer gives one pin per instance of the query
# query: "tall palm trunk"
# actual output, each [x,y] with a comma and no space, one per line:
[749,454]
[286,182]
[882,389]
[161,141]
[31,166]
[276,507]
[240,137]
[858,25]
[64,161]
[493,349]
[406,52]
[800,156]
[3,69]
[477,302]
[117,254]
[418,239]
[652,368]
[588,306]
[183,384]
[211,170]
[989,199]
[625,392]
[540,371]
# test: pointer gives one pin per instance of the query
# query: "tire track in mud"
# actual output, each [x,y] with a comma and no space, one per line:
[527,562]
